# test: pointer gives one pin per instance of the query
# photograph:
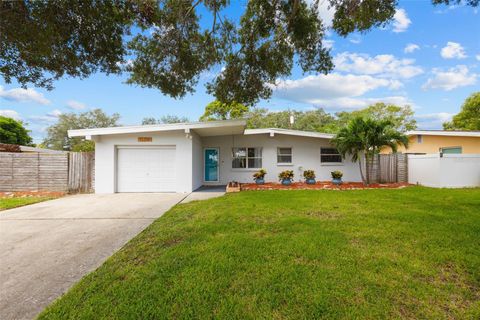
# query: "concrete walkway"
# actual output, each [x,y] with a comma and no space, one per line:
[204,193]
[46,247]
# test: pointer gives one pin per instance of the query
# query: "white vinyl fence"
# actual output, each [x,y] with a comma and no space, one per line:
[448,171]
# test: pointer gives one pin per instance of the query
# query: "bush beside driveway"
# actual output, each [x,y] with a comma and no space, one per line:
[407,253]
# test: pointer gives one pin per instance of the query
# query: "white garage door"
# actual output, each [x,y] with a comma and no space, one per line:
[146,169]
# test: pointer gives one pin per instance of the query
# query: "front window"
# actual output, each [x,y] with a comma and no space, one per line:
[244,158]
[284,155]
[330,155]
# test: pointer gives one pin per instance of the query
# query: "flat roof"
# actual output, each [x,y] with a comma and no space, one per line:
[453,133]
[274,131]
[208,128]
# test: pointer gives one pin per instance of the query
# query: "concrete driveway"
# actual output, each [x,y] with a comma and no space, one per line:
[46,247]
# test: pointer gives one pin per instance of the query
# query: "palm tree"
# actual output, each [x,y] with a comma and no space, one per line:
[367,137]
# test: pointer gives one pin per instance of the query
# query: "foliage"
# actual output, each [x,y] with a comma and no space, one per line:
[260,174]
[336,174]
[401,117]
[469,116]
[217,110]
[312,120]
[364,254]
[285,175]
[165,119]
[14,132]
[309,174]
[367,137]
[168,44]
[57,134]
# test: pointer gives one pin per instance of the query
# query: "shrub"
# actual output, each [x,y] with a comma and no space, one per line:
[259,174]
[337,174]
[286,175]
[309,174]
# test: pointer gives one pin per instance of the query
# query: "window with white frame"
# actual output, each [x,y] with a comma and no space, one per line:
[284,155]
[244,158]
[330,155]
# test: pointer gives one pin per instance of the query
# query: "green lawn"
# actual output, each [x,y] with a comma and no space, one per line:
[368,254]
[9,203]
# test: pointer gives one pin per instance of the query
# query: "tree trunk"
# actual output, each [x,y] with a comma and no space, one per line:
[367,169]
[361,170]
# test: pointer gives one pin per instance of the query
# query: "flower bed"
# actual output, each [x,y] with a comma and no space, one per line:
[322,185]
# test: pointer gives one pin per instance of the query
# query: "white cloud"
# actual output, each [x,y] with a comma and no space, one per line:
[384,65]
[357,103]
[325,12]
[328,43]
[401,21]
[355,39]
[455,77]
[453,50]
[411,47]
[10,114]
[76,105]
[477,57]
[48,118]
[333,90]
[23,95]
[433,120]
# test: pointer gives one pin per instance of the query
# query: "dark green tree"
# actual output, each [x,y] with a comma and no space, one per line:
[57,134]
[365,137]
[14,132]
[171,42]
[469,116]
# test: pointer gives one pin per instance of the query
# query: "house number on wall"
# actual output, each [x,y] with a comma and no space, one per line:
[144,139]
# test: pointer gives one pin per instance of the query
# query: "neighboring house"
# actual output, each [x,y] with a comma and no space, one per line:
[182,157]
[438,141]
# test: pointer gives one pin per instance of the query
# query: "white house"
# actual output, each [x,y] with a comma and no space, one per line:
[182,157]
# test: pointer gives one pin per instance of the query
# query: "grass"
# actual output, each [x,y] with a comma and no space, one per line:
[9,203]
[367,254]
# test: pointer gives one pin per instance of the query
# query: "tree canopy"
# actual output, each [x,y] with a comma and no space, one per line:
[164,119]
[14,132]
[401,117]
[366,136]
[217,110]
[57,134]
[469,116]
[168,44]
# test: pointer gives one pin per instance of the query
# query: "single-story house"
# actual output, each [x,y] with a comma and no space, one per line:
[182,157]
[440,141]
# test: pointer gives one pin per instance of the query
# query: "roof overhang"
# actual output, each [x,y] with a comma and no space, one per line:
[203,129]
[444,133]
[273,131]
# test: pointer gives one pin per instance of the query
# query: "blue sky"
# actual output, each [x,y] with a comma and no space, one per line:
[428,57]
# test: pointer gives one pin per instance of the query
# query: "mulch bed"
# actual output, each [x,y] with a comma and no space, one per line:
[26,194]
[320,185]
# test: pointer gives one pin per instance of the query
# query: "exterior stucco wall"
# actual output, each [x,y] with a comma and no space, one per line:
[105,157]
[197,162]
[432,144]
[306,155]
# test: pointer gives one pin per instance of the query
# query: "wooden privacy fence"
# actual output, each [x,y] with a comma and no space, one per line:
[81,166]
[389,168]
[68,172]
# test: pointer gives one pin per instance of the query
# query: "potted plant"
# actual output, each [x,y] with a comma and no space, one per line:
[337,177]
[286,177]
[309,176]
[259,176]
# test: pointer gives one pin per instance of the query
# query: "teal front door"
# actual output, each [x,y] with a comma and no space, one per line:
[211,165]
